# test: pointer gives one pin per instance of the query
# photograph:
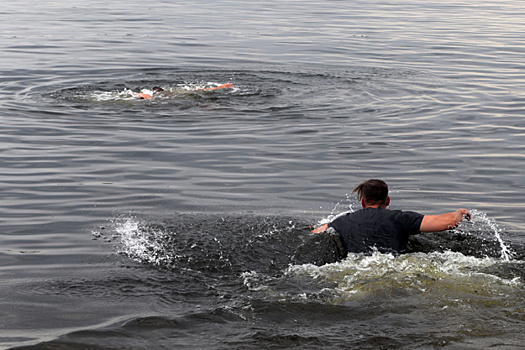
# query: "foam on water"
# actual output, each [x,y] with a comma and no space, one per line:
[99,96]
[360,273]
[440,279]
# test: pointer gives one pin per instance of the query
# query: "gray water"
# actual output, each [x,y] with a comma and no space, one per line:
[182,222]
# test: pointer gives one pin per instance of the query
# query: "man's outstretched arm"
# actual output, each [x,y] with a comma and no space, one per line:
[435,223]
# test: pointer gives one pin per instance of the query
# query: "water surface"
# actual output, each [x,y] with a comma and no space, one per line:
[182,222]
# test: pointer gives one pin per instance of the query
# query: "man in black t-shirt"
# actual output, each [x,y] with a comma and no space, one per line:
[376,227]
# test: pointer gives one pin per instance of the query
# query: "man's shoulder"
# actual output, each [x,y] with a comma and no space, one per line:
[393,215]
[376,213]
[403,213]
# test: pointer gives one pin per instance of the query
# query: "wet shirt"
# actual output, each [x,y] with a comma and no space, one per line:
[384,229]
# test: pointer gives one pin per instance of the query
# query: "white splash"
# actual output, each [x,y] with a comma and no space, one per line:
[101,96]
[478,216]
[363,276]
[332,216]
[139,245]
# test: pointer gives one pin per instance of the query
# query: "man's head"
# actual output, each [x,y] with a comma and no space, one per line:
[372,193]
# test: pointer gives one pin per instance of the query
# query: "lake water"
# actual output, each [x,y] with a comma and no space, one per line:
[183,221]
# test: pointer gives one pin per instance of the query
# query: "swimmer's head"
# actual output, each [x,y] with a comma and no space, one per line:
[373,192]
[157,89]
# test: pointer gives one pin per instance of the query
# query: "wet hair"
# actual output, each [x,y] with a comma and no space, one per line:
[158,89]
[372,191]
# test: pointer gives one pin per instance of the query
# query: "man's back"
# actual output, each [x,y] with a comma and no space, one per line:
[383,229]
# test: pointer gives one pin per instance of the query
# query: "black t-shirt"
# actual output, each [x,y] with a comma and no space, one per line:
[384,229]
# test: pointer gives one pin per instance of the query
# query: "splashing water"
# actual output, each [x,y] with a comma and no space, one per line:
[169,92]
[332,216]
[371,276]
[481,217]
[144,247]
[101,96]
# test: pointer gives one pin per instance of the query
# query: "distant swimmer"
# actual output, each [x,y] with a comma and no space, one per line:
[149,95]
[146,96]
[377,228]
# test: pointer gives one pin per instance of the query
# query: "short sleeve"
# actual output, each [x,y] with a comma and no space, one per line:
[412,222]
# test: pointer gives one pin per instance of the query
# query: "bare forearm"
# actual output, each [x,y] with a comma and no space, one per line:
[434,223]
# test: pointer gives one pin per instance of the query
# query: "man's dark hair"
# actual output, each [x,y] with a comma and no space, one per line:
[372,191]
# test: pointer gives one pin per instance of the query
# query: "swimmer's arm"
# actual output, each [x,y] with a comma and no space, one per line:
[447,221]
[320,229]
[223,86]
[142,95]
